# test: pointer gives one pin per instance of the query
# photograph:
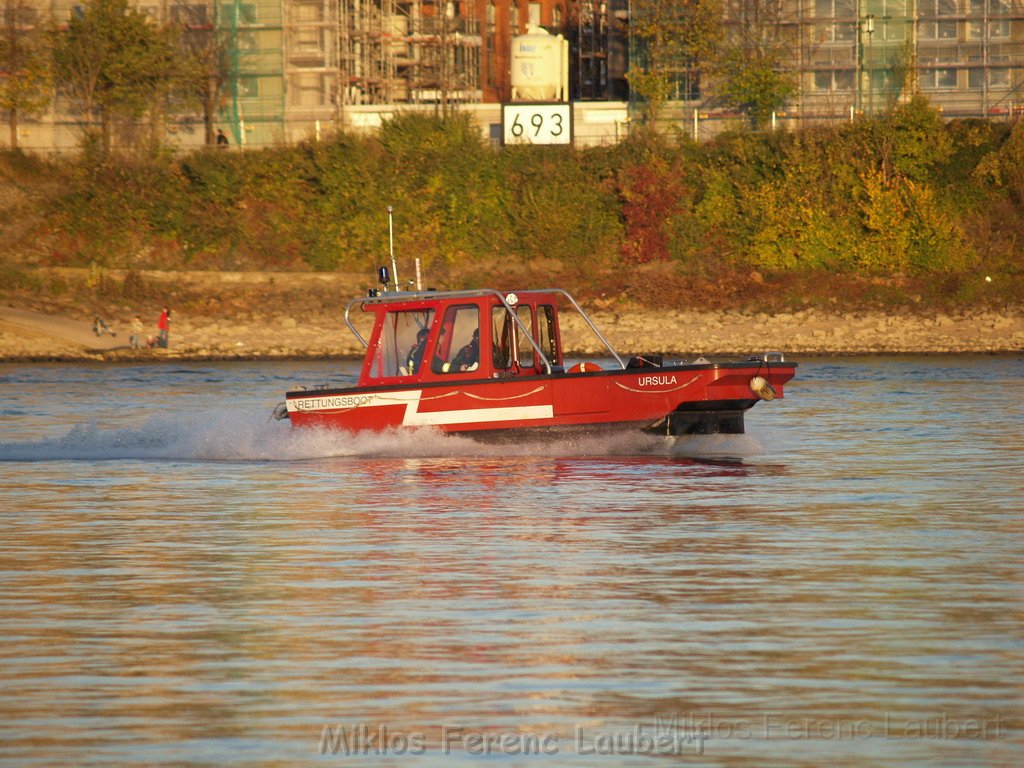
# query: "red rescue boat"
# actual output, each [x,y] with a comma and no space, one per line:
[490,364]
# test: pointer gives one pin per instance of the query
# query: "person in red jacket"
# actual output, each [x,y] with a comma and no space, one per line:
[163,325]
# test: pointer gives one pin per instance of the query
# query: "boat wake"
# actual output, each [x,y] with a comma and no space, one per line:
[247,436]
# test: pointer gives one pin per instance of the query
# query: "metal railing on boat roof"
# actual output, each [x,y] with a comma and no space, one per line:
[387,298]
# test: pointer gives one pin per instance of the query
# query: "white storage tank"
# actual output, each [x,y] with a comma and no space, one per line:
[540,66]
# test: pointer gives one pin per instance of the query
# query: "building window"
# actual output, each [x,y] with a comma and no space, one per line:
[247,41]
[833,80]
[307,90]
[979,10]
[837,20]
[556,17]
[492,31]
[248,87]
[938,79]
[513,18]
[997,78]
[534,19]
[938,19]
[246,13]
[308,41]
[888,19]
[308,12]
[189,15]
[999,28]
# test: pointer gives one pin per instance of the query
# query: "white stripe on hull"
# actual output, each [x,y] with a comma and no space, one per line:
[413,417]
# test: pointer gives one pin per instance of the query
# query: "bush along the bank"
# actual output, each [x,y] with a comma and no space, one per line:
[902,194]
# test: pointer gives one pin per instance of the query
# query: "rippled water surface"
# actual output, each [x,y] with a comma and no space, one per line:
[185,583]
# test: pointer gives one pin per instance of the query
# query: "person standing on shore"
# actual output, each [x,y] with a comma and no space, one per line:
[163,326]
[137,328]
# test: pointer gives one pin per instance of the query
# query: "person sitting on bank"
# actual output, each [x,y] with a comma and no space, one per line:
[100,327]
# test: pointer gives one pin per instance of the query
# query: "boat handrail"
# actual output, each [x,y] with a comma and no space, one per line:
[589,322]
[477,293]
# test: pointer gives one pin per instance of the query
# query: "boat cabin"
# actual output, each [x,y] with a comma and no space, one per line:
[444,336]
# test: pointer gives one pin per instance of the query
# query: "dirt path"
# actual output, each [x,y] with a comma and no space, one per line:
[26,333]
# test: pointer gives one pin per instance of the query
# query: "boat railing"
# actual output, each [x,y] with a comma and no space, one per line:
[477,293]
[590,323]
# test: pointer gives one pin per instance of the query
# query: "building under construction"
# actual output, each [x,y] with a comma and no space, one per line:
[299,63]
[859,57]
[287,69]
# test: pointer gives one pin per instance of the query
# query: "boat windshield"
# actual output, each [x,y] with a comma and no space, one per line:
[402,343]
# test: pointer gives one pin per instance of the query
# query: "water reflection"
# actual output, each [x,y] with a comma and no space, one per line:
[859,574]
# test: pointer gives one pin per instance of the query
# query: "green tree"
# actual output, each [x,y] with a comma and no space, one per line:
[25,74]
[112,63]
[205,66]
[674,36]
[749,70]
[903,65]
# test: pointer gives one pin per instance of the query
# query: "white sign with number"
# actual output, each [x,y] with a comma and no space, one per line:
[525,123]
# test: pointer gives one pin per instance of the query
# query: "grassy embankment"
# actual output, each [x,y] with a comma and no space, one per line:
[896,213]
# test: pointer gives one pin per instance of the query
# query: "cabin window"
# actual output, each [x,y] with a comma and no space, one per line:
[401,344]
[458,345]
[504,331]
[546,334]
[501,338]
[526,351]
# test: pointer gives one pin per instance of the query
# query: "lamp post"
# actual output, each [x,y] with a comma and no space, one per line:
[864,25]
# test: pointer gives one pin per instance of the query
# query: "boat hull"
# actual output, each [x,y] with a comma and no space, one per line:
[674,400]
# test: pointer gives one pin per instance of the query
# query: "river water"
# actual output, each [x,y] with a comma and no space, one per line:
[185,583]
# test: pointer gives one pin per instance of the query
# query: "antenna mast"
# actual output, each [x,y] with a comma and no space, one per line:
[391,244]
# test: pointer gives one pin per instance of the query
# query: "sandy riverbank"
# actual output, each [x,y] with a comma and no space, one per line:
[256,315]
[34,335]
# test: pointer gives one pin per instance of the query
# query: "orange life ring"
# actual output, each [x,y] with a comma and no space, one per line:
[585,368]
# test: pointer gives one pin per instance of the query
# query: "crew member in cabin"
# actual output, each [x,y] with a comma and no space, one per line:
[414,359]
[469,356]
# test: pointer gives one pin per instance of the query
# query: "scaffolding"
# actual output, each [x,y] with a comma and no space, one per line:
[254,101]
[312,59]
[418,52]
[862,57]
